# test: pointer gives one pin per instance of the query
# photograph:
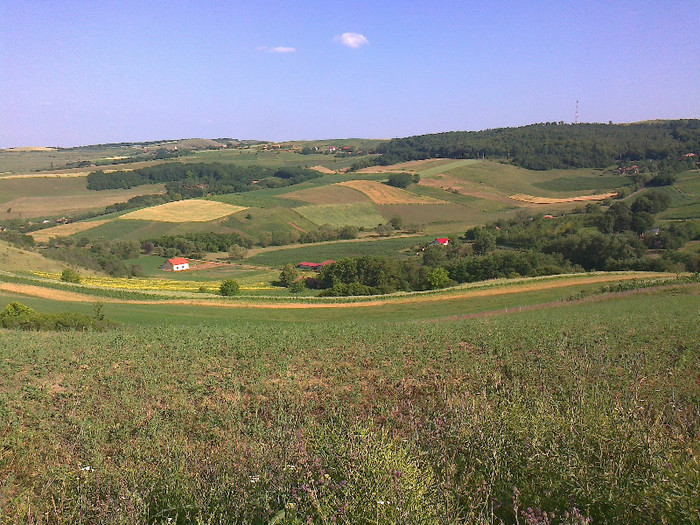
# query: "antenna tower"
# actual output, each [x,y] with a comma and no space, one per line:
[576,119]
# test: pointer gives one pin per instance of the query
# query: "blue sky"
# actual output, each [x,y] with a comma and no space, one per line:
[76,73]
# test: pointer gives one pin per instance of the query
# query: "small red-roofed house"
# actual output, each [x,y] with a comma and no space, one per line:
[176,264]
[442,241]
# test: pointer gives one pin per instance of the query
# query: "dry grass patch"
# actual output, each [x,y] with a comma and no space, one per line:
[382,194]
[64,230]
[551,200]
[411,166]
[330,194]
[192,210]
[322,169]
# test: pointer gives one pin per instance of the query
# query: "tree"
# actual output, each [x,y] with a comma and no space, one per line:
[229,287]
[297,286]
[70,276]
[400,180]
[484,241]
[438,278]
[289,275]
[396,222]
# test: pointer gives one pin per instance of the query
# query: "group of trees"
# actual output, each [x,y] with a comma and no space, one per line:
[556,145]
[590,238]
[196,180]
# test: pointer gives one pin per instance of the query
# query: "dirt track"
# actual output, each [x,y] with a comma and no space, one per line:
[61,295]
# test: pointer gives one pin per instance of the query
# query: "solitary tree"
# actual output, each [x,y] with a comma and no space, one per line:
[289,275]
[229,287]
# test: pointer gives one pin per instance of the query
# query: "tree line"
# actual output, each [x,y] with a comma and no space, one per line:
[196,180]
[556,145]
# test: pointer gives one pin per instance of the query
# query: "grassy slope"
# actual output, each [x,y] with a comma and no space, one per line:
[590,406]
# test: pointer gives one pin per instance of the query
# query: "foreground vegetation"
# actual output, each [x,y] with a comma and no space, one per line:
[585,414]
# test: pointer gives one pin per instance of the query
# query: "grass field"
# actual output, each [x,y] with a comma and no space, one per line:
[587,409]
[278,257]
[54,197]
[192,210]
[360,214]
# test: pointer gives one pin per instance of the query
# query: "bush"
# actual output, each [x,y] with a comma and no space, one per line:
[229,287]
[70,276]
[400,180]
[297,286]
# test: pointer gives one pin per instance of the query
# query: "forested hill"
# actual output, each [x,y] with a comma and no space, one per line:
[555,145]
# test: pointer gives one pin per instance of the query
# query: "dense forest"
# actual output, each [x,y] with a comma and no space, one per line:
[558,145]
[196,180]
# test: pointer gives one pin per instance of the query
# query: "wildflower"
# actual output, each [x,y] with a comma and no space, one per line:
[254,479]
[86,468]
[291,505]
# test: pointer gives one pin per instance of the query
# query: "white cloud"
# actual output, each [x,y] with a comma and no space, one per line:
[353,40]
[282,49]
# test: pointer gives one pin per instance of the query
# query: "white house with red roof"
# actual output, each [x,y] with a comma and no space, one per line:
[176,264]
[442,241]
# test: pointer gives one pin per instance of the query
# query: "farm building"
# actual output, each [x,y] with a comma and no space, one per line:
[176,264]
[442,241]
[313,266]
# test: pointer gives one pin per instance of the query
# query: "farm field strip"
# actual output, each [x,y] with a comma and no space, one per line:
[471,291]
[64,230]
[551,200]
[383,194]
[360,214]
[153,284]
[191,210]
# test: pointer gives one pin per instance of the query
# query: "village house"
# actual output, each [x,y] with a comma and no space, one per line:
[442,241]
[316,267]
[176,264]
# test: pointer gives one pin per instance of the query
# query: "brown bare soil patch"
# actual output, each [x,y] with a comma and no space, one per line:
[383,194]
[64,230]
[551,200]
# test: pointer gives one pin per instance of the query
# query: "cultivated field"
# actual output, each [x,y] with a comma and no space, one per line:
[552,200]
[65,230]
[193,210]
[361,214]
[383,194]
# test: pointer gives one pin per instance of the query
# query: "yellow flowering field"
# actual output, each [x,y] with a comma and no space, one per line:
[145,284]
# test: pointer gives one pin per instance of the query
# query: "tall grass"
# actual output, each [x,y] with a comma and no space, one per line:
[561,416]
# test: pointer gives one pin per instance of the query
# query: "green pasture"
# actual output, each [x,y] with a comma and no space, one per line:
[271,220]
[508,179]
[584,183]
[13,161]
[360,214]
[318,252]
[186,418]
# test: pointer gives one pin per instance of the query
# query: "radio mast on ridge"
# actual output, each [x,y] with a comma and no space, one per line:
[576,118]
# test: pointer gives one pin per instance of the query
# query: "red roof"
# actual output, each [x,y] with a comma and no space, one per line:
[442,240]
[309,264]
[177,260]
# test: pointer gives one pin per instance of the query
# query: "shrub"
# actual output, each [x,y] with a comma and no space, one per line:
[70,276]
[229,287]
